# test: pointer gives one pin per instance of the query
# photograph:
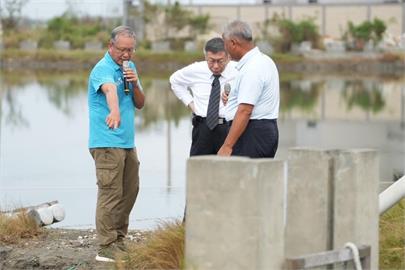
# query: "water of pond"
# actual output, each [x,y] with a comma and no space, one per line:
[44,129]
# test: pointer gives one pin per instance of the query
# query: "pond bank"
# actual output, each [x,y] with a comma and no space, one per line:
[150,63]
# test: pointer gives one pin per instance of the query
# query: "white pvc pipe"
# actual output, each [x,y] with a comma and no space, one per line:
[58,212]
[45,215]
[392,195]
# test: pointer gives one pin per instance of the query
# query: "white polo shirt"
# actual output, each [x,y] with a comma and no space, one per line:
[257,84]
[193,83]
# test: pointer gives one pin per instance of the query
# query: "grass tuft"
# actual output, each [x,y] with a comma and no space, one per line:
[163,249]
[17,227]
[392,237]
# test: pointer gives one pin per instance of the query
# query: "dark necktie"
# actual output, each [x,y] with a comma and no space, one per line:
[213,104]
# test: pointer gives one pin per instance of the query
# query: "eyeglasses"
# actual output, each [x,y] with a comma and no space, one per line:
[124,50]
[212,61]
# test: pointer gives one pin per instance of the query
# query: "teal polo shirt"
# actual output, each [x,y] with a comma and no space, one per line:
[100,135]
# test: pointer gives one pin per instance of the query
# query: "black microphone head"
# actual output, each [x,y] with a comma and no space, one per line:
[125,65]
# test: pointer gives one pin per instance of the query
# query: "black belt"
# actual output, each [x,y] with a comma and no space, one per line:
[199,119]
[257,120]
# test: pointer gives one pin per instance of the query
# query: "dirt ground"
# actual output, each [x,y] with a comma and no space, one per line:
[58,249]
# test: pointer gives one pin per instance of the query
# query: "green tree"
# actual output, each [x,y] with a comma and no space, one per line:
[151,12]
[199,25]
[173,23]
[75,30]
[356,36]
[290,32]
[176,17]
[10,13]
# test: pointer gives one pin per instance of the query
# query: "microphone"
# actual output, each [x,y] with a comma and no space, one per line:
[227,88]
[125,65]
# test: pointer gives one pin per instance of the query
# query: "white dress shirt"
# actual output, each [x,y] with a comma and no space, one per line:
[193,84]
[257,84]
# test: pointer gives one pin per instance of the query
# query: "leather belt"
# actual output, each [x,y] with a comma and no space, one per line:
[200,119]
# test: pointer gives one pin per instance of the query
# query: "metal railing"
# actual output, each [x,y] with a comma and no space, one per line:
[343,255]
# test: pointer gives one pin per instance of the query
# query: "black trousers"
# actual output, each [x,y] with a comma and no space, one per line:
[206,141]
[259,140]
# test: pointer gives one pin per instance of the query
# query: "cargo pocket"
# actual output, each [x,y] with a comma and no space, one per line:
[106,172]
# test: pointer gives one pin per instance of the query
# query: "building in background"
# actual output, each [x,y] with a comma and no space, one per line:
[284,2]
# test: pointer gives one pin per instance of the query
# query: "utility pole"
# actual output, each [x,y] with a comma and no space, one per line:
[141,22]
[1,30]
[136,22]
[125,7]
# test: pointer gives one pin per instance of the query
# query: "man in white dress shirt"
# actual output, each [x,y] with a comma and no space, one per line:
[193,84]
[253,104]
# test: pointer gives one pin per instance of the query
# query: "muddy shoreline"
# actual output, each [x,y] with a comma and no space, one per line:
[58,249]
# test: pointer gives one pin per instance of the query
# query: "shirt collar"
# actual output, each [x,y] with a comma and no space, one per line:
[111,61]
[250,54]
[225,73]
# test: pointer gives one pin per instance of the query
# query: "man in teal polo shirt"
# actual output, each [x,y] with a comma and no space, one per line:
[111,140]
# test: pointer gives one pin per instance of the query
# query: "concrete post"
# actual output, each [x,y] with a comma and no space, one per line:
[309,200]
[403,19]
[323,27]
[235,213]
[356,200]
[125,5]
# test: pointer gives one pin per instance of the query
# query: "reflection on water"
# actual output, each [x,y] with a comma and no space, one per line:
[44,129]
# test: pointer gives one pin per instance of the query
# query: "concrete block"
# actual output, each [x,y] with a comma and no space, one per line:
[335,46]
[308,202]
[300,48]
[306,46]
[402,41]
[190,46]
[356,186]
[235,213]
[161,46]
[93,46]
[369,46]
[28,45]
[61,45]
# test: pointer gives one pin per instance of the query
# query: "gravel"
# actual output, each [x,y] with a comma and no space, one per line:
[58,249]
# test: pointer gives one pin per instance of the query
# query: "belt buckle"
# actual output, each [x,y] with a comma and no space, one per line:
[220,121]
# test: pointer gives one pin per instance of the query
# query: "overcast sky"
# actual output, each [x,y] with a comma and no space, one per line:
[45,9]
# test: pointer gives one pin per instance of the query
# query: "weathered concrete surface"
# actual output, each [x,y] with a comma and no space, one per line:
[308,202]
[356,200]
[235,213]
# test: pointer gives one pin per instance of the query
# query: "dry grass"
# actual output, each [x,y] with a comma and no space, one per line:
[392,238]
[17,227]
[163,249]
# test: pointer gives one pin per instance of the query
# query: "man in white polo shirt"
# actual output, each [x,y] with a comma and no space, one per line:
[253,104]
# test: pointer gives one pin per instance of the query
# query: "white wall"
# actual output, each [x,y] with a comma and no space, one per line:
[283,2]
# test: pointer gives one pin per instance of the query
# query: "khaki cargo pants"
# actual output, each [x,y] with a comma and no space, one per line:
[117,173]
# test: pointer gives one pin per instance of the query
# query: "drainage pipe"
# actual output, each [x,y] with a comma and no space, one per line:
[392,195]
